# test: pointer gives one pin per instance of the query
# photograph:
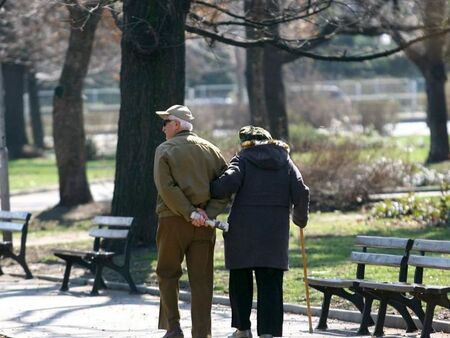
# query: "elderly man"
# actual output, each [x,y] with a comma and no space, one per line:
[184,166]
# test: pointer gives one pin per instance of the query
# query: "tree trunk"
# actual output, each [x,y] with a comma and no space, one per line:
[68,127]
[435,78]
[152,78]
[254,73]
[429,58]
[256,87]
[16,138]
[35,111]
[433,69]
[239,76]
[275,93]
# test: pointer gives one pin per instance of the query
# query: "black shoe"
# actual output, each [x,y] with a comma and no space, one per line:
[174,333]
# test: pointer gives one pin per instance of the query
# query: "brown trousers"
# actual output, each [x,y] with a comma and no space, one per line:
[176,239]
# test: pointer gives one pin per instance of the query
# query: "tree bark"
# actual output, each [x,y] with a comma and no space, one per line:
[433,69]
[16,137]
[254,73]
[35,111]
[275,93]
[435,78]
[68,127]
[429,58]
[152,78]
[264,74]
[273,79]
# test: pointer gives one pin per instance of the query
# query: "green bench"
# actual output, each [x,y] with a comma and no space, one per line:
[118,232]
[420,254]
[371,250]
[424,255]
[15,222]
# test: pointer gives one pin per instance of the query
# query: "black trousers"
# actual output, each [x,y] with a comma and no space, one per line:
[269,283]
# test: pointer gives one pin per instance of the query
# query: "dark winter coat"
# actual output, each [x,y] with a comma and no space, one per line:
[267,184]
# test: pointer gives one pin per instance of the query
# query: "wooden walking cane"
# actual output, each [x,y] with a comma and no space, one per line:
[305,278]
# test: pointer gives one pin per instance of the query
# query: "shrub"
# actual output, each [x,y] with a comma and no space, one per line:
[341,178]
[376,114]
[304,137]
[318,105]
[342,171]
[424,176]
[429,211]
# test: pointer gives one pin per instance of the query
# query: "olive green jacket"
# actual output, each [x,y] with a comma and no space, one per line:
[183,168]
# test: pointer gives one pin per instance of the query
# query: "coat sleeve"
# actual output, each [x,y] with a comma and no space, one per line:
[299,196]
[216,205]
[230,181]
[169,190]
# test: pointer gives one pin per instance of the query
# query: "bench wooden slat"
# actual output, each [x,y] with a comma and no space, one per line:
[17,215]
[9,226]
[113,221]
[331,282]
[108,233]
[388,286]
[376,259]
[381,242]
[431,245]
[429,262]
[433,289]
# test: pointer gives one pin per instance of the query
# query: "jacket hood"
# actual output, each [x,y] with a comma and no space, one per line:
[267,155]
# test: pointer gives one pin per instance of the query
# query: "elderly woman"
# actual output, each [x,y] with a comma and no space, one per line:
[267,187]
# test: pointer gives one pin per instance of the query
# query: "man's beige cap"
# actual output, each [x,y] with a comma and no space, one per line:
[182,112]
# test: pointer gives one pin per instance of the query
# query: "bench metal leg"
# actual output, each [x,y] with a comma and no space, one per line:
[65,283]
[428,322]
[98,279]
[322,325]
[126,274]
[24,265]
[410,325]
[366,319]
[416,305]
[378,332]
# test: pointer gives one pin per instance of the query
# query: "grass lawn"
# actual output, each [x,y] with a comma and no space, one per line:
[328,238]
[34,173]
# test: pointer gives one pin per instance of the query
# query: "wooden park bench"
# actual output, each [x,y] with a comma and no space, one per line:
[431,295]
[118,232]
[395,252]
[15,222]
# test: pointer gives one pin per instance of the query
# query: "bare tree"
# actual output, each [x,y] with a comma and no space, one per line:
[429,57]
[407,21]
[152,73]
[31,39]
[298,26]
[152,78]
[68,126]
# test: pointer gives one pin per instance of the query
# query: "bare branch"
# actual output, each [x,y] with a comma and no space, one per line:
[301,50]
[245,21]
[115,15]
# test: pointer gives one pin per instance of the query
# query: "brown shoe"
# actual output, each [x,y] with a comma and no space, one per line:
[174,333]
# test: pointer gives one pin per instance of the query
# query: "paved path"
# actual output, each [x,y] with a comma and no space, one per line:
[36,308]
[42,200]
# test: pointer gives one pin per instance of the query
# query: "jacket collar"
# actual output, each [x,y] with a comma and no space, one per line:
[184,133]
